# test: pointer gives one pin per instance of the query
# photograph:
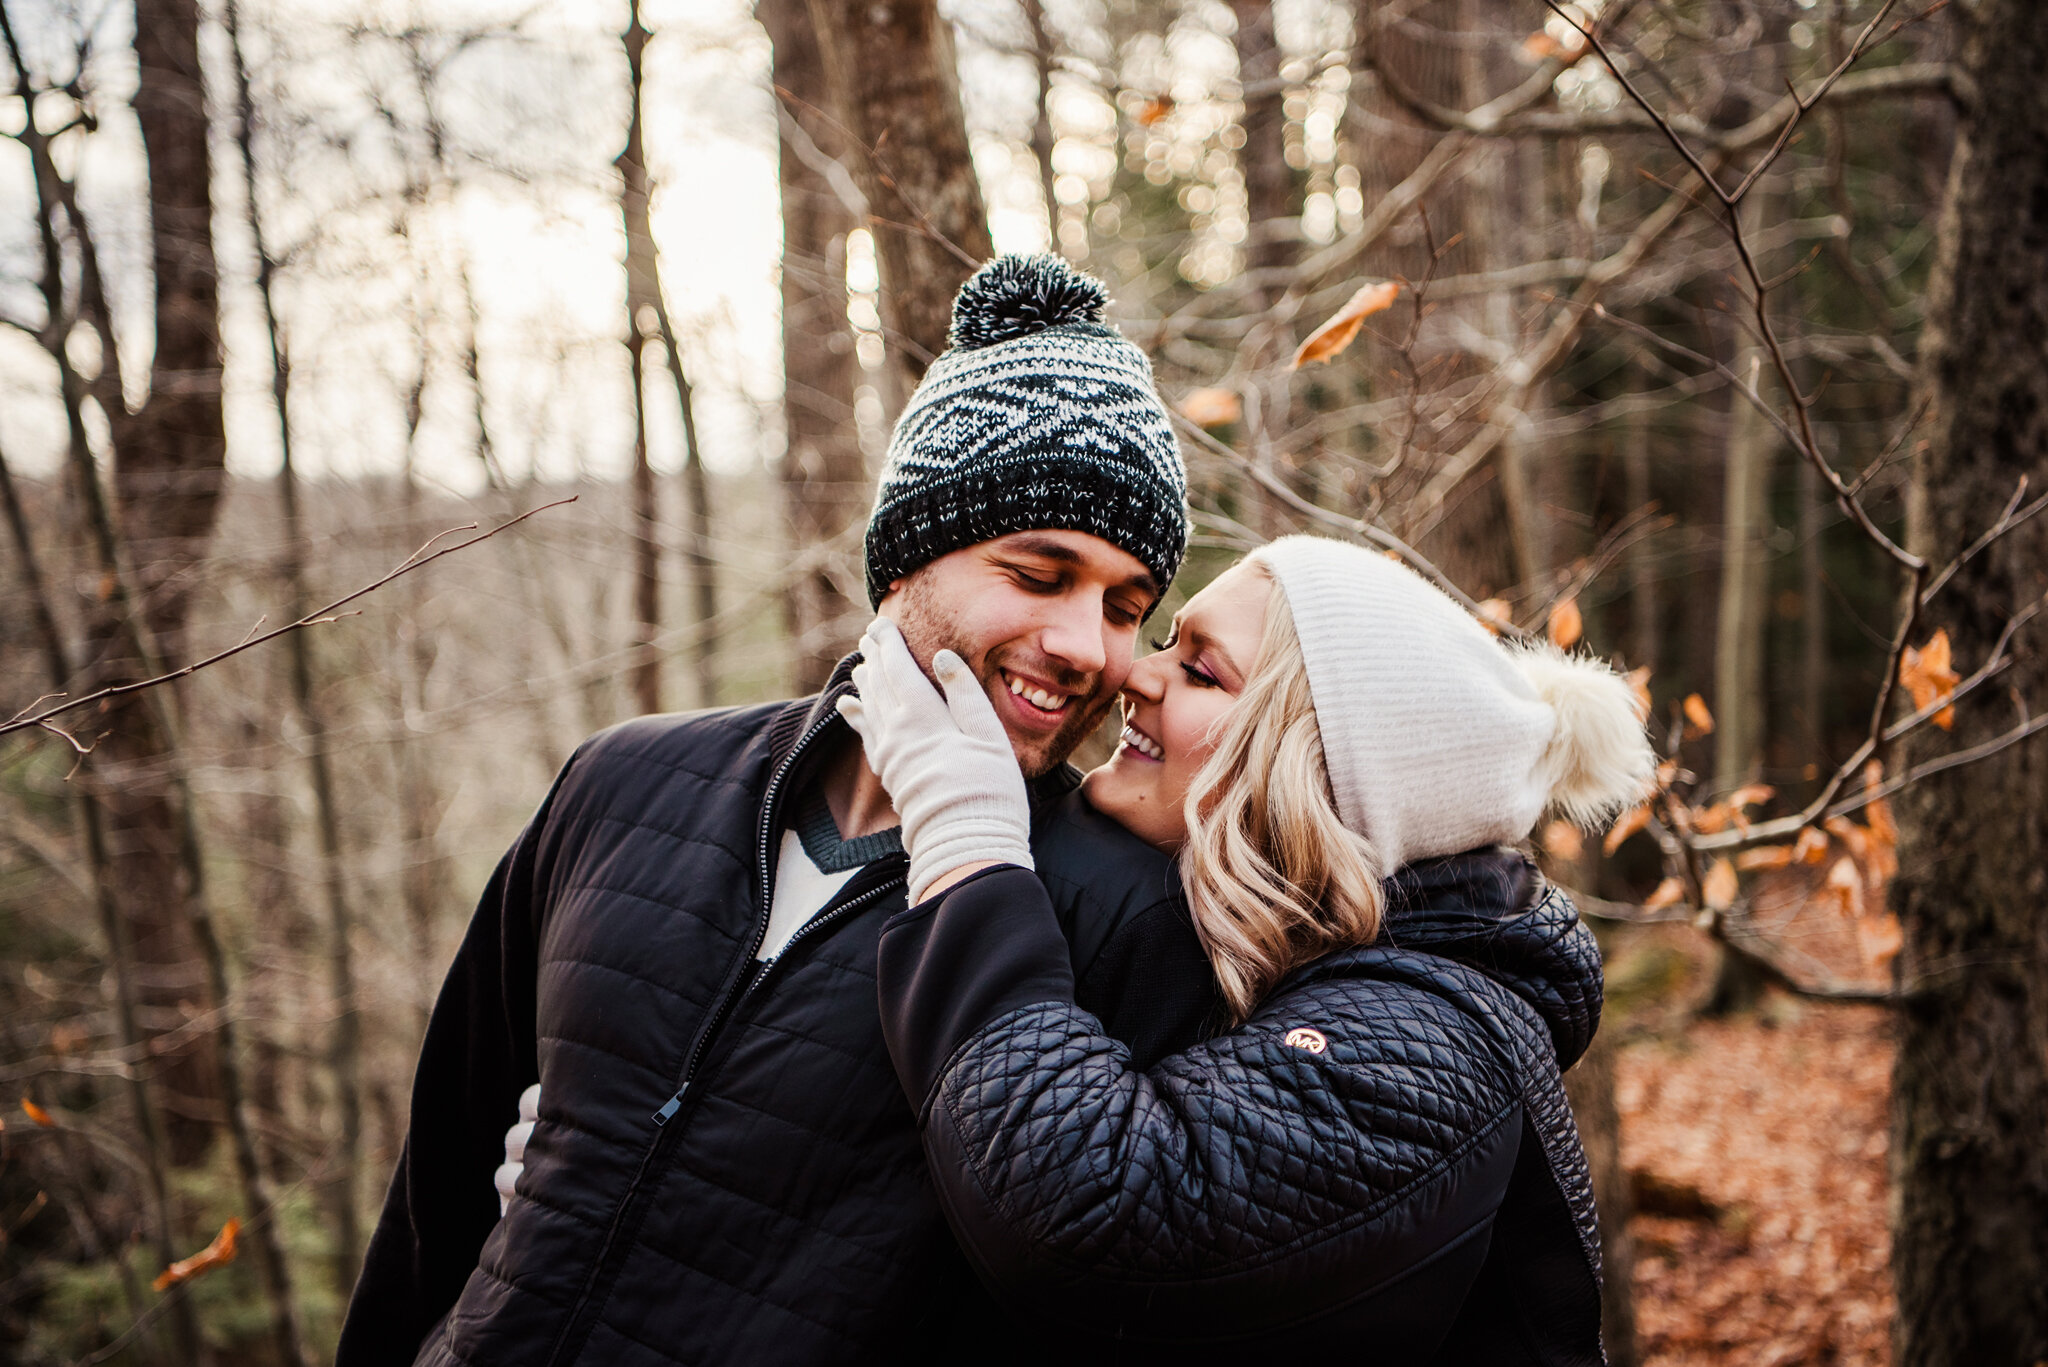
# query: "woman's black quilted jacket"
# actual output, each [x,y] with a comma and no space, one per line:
[1379,1161]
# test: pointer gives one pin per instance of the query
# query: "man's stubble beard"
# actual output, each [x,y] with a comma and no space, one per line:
[928,628]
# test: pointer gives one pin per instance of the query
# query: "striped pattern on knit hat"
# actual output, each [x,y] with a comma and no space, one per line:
[1039,417]
[1437,737]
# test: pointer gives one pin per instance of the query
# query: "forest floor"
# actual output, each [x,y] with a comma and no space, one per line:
[1756,1147]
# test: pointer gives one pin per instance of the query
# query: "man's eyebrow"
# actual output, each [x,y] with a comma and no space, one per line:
[1047,549]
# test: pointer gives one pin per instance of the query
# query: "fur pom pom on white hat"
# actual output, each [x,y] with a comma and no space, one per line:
[1438,737]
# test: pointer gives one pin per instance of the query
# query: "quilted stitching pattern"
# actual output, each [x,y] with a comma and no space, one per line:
[793,1208]
[1232,1154]
[1247,1150]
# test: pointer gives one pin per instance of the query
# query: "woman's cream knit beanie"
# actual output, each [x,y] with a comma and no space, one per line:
[1438,737]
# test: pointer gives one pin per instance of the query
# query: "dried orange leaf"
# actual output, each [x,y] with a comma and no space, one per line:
[1667,774]
[1720,885]
[1212,407]
[1561,840]
[1844,887]
[1154,109]
[1629,822]
[1750,794]
[1881,936]
[1566,625]
[1764,857]
[38,1114]
[1638,681]
[1668,893]
[1856,837]
[1878,812]
[1496,616]
[216,1254]
[1699,721]
[1708,820]
[1342,328]
[1538,45]
[1928,675]
[1811,847]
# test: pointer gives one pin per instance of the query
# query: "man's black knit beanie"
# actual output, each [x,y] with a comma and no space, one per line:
[1040,416]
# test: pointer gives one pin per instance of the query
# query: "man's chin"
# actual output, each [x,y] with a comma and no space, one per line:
[1038,756]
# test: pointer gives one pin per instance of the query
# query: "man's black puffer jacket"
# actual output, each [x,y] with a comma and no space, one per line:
[725,1169]
[1380,1161]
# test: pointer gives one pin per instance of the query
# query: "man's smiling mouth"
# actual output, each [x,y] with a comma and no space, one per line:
[1045,700]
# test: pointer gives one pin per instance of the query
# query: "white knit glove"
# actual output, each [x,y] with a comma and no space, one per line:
[946,762]
[515,1146]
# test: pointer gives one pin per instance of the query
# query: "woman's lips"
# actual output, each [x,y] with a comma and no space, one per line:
[1142,745]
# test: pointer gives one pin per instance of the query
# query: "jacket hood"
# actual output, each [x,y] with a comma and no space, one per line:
[1491,910]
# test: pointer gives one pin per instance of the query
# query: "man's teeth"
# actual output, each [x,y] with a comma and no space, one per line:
[1038,697]
[1143,744]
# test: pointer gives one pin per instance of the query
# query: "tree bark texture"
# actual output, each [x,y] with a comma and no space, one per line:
[168,467]
[1970,1101]
[640,294]
[1272,201]
[824,480]
[1590,1088]
[344,1044]
[1044,49]
[890,66]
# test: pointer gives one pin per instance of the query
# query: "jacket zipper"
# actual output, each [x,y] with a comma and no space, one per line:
[746,976]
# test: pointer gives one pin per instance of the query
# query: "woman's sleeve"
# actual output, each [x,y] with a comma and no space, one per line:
[1354,1137]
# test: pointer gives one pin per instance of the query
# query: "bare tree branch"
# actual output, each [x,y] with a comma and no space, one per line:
[319,616]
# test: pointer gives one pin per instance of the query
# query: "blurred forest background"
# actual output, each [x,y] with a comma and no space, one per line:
[1716,340]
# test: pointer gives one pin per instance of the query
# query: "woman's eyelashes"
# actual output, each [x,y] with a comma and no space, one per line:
[1196,675]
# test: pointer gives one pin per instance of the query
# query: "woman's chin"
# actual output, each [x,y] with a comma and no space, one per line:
[1110,791]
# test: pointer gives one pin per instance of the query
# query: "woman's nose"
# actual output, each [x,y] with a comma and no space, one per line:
[1147,681]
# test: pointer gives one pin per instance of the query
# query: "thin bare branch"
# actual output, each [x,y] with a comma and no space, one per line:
[417,560]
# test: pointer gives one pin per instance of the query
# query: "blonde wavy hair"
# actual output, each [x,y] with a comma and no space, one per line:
[1274,878]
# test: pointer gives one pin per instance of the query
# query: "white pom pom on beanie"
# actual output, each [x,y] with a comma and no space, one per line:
[1438,737]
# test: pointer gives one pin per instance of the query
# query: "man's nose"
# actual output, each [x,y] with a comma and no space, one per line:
[1073,636]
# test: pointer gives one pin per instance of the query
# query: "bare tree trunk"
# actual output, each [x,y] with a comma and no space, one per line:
[1813,612]
[890,66]
[1745,573]
[1269,184]
[92,833]
[1645,614]
[1970,1085]
[641,291]
[696,515]
[824,482]
[647,301]
[1590,1088]
[422,872]
[1274,213]
[1042,51]
[344,1052]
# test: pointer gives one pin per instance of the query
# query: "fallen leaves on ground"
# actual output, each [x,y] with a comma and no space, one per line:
[1781,1130]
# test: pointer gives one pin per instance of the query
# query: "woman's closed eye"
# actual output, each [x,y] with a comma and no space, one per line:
[1199,677]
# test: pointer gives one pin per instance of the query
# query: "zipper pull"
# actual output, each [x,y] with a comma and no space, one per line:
[670,1107]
